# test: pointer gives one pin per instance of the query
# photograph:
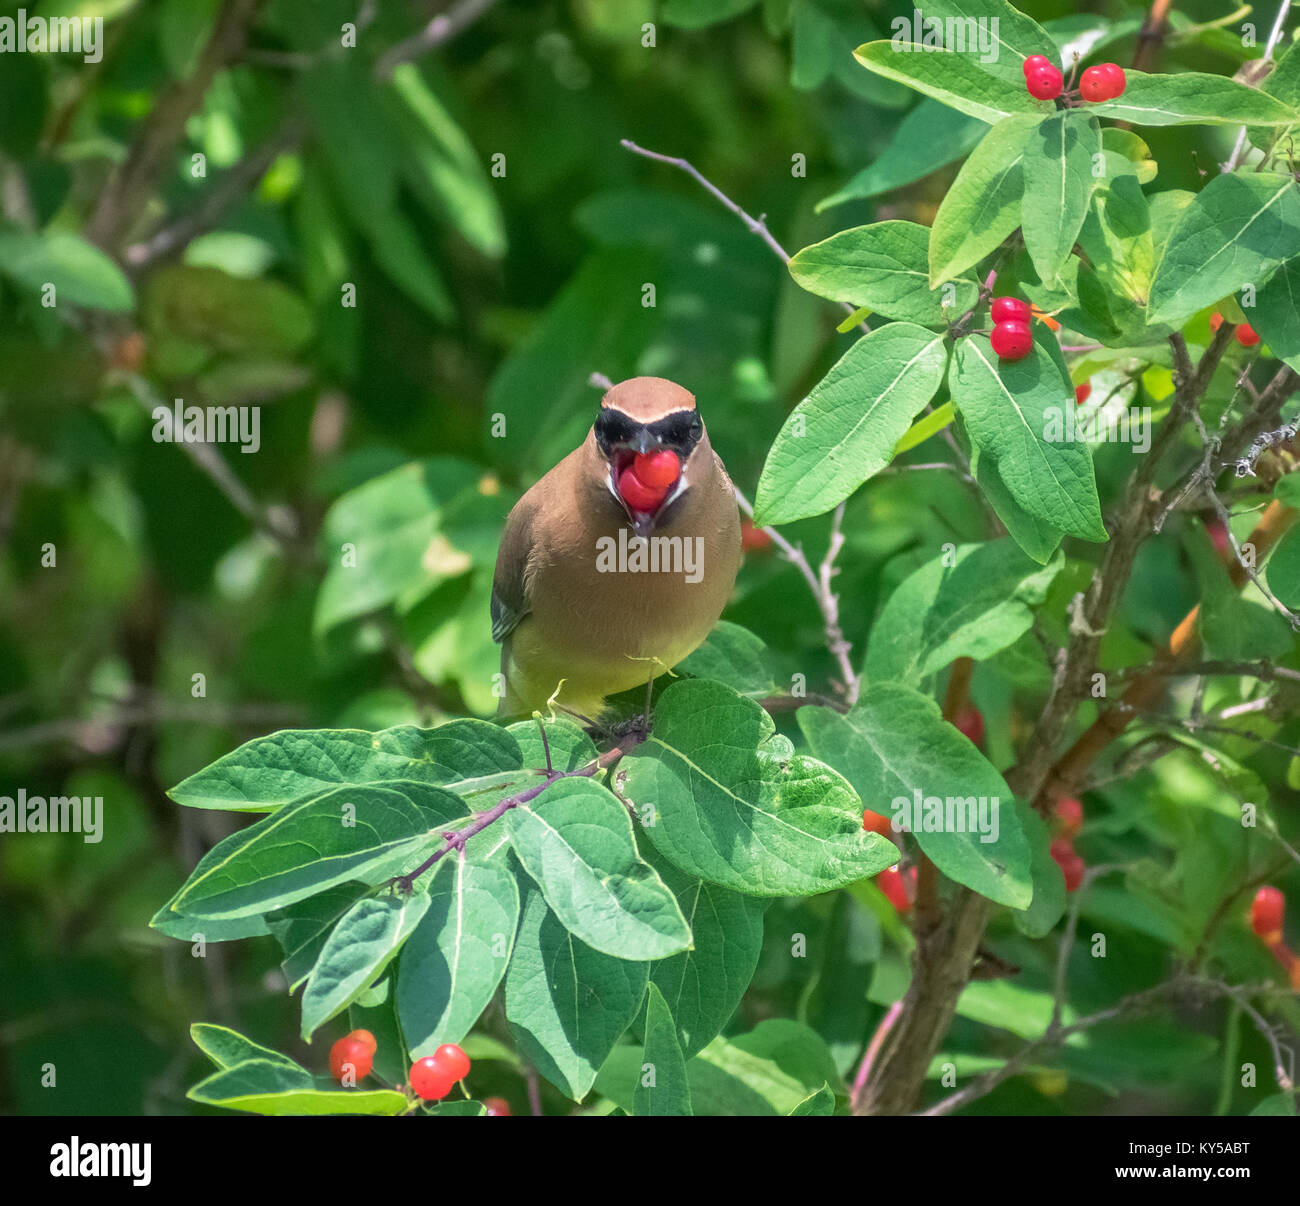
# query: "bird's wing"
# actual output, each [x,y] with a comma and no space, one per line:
[510,602]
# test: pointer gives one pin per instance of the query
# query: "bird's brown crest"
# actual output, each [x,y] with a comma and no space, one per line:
[648,399]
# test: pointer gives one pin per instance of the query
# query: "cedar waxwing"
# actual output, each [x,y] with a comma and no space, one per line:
[577,596]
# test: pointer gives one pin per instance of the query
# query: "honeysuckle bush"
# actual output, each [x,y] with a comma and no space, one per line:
[590,907]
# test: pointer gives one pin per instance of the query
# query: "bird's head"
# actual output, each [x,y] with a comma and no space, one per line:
[647,433]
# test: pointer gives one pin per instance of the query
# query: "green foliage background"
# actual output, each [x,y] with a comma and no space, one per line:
[477,297]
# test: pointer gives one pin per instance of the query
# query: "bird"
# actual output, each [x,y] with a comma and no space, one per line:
[618,562]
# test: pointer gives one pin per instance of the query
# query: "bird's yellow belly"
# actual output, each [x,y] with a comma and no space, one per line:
[608,634]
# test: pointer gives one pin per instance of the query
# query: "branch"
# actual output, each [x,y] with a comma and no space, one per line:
[126,193]
[276,522]
[754,225]
[457,839]
[223,196]
[828,602]
[442,28]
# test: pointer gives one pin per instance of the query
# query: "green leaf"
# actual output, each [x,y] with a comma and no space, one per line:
[380,540]
[1038,538]
[443,166]
[307,847]
[973,603]
[1193,98]
[704,985]
[1236,231]
[189,929]
[226,1048]
[569,745]
[457,956]
[1009,408]
[895,743]
[931,136]
[1284,569]
[1058,187]
[1130,147]
[735,656]
[365,940]
[954,79]
[301,929]
[816,1105]
[567,1004]
[846,429]
[80,273]
[261,1086]
[736,806]
[982,208]
[269,772]
[1117,238]
[1276,315]
[576,841]
[223,313]
[1012,36]
[667,1094]
[1280,1105]
[884,267]
[1048,904]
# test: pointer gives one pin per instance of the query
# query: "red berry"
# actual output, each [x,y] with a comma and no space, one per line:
[1266,914]
[1247,336]
[1216,321]
[1010,309]
[1012,340]
[659,469]
[1069,812]
[970,721]
[350,1055]
[497,1107]
[1115,79]
[1082,393]
[891,883]
[1044,83]
[752,538]
[1095,84]
[1034,62]
[1219,536]
[873,822]
[429,1080]
[1072,866]
[366,1039]
[452,1060]
[637,494]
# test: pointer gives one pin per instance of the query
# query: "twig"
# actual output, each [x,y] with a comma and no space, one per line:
[754,225]
[275,522]
[442,28]
[827,601]
[456,840]
[227,192]
[873,1049]
[1274,37]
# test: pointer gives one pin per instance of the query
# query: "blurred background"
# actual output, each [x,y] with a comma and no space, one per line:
[411,254]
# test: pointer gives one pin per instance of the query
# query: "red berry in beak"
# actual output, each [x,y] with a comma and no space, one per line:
[638,495]
[659,469]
